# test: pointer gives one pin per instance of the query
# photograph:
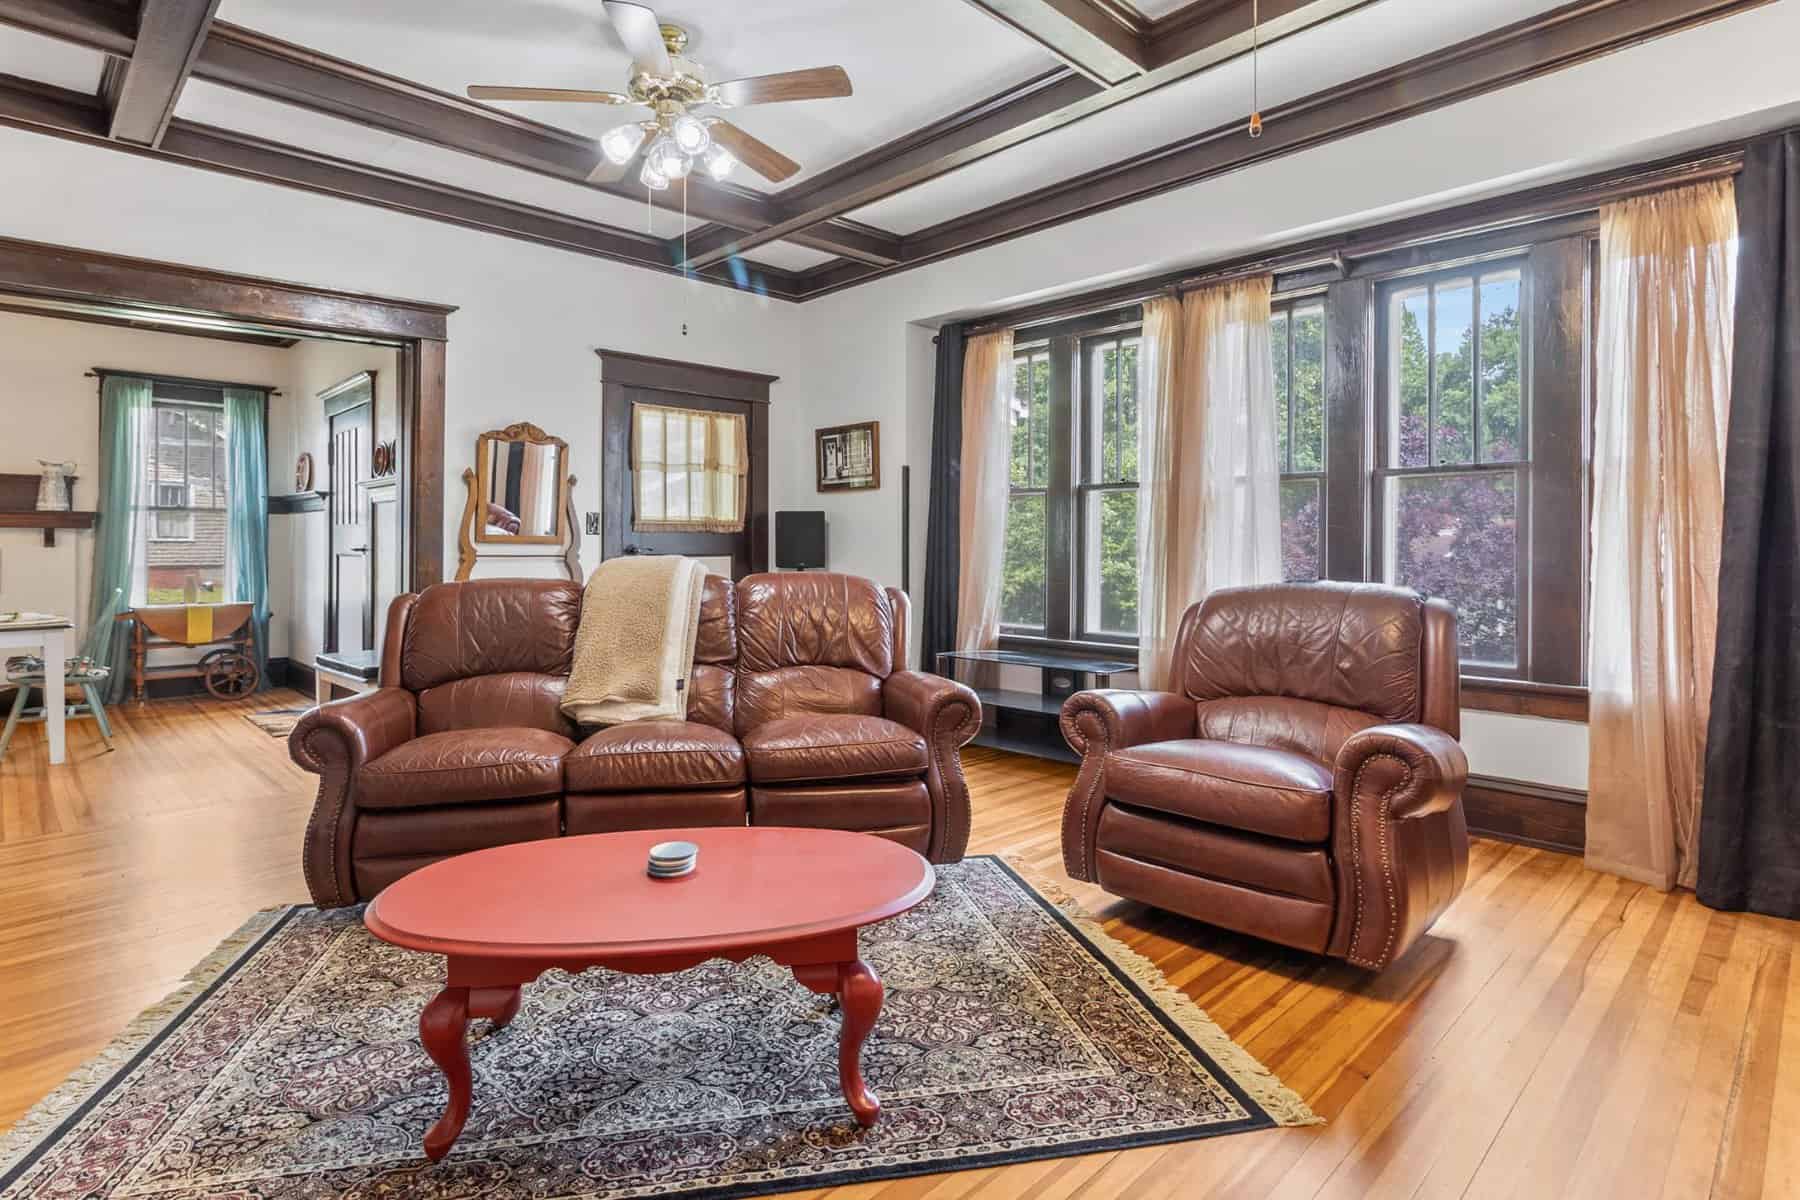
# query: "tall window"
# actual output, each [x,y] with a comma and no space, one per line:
[186,535]
[1025,586]
[1109,499]
[1454,470]
[1071,569]
[1297,339]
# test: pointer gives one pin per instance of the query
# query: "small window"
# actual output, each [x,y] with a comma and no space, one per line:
[689,467]
[1109,500]
[186,528]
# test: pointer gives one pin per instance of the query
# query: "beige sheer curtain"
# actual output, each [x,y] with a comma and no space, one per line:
[1209,508]
[986,448]
[690,469]
[1667,282]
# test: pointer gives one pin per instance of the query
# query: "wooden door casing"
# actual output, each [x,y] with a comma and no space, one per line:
[627,379]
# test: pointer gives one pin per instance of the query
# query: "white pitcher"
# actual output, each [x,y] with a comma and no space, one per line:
[53,488]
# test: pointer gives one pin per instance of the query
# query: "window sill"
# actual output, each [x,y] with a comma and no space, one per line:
[1519,697]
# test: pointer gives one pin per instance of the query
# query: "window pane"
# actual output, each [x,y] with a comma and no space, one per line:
[1456,536]
[1308,435]
[1278,342]
[1023,596]
[1040,420]
[1300,539]
[1020,471]
[1455,368]
[1111,562]
[202,438]
[1502,428]
[1409,319]
[1128,409]
[650,493]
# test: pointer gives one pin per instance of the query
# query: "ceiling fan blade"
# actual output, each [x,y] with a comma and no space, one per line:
[482,91]
[754,153]
[814,83]
[637,27]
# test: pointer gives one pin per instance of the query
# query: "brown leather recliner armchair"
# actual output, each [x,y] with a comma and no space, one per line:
[796,715]
[1300,782]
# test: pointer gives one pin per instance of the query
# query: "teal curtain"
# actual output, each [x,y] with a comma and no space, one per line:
[124,423]
[247,492]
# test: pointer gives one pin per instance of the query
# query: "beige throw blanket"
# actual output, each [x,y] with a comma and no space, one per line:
[634,648]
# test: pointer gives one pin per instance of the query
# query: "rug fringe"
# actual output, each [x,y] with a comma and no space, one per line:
[1259,1083]
[73,1091]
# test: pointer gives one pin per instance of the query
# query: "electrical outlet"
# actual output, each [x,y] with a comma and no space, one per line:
[593,524]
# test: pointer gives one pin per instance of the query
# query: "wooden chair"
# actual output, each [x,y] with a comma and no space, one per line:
[81,671]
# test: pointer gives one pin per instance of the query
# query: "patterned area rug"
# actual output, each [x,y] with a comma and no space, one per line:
[276,722]
[290,1067]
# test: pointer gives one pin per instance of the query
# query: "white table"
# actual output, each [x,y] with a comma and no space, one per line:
[52,641]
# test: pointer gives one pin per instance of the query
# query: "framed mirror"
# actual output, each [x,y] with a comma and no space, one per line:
[521,486]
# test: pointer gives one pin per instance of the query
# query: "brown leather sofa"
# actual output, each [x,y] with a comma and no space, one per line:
[1302,780]
[796,715]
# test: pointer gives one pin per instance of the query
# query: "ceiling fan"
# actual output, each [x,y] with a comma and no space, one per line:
[677,137]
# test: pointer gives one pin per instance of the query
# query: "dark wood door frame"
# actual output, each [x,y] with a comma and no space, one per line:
[619,369]
[417,329]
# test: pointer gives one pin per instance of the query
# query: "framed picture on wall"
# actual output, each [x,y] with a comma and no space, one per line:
[848,456]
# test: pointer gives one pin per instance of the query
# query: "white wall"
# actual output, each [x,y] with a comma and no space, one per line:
[50,409]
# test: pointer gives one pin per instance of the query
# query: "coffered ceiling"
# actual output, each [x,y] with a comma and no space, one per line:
[971,120]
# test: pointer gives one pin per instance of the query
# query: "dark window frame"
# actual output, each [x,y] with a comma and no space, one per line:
[1065,342]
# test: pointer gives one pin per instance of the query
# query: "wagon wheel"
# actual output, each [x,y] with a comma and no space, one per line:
[228,674]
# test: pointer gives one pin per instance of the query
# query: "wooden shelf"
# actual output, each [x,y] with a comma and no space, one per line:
[49,522]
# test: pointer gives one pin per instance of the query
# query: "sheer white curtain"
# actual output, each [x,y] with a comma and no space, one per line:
[986,449]
[1209,511]
[1668,265]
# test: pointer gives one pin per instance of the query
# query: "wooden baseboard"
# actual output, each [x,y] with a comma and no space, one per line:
[300,677]
[1531,814]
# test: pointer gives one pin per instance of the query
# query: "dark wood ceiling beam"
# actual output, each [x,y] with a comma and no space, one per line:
[169,35]
[1102,42]
[1528,49]
[72,114]
[1034,108]
[107,27]
[277,70]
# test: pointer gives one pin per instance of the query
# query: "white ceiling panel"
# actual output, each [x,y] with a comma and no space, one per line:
[212,104]
[1369,39]
[909,63]
[788,256]
[47,60]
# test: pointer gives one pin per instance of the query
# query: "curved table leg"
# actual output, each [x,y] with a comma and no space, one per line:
[499,1004]
[860,991]
[441,1028]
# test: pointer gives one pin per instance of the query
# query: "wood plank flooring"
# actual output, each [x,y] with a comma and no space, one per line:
[1561,1033]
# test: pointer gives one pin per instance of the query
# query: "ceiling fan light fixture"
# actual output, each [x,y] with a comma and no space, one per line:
[719,162]
[621,142]
[652,178]
[666,158]
[690,134]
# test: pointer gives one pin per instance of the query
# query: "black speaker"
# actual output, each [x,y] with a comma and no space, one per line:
[799,540]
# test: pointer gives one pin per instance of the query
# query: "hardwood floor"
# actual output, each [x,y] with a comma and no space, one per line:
[1562,1033]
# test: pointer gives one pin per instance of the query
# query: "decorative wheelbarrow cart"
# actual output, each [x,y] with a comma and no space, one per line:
[228,670]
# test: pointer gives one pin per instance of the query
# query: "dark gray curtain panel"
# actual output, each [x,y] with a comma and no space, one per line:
[943,529]
[1750,805]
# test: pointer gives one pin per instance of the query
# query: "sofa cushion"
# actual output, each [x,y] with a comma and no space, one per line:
[466,766]
[655,756]
[1253,788]
[831,747]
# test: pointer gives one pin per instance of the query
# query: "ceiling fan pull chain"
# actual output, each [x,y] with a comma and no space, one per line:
[1255,72]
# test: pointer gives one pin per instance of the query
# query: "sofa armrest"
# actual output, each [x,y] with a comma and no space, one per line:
[948,715]
[1400,846]
[333,741]
[1094,723]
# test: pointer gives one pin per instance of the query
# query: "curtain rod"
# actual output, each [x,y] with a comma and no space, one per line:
[182,380]
[1516,210]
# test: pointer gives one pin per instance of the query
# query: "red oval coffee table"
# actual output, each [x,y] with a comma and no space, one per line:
[504,916]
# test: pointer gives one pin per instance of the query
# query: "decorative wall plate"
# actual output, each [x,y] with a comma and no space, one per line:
[383,461]
[303,473]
